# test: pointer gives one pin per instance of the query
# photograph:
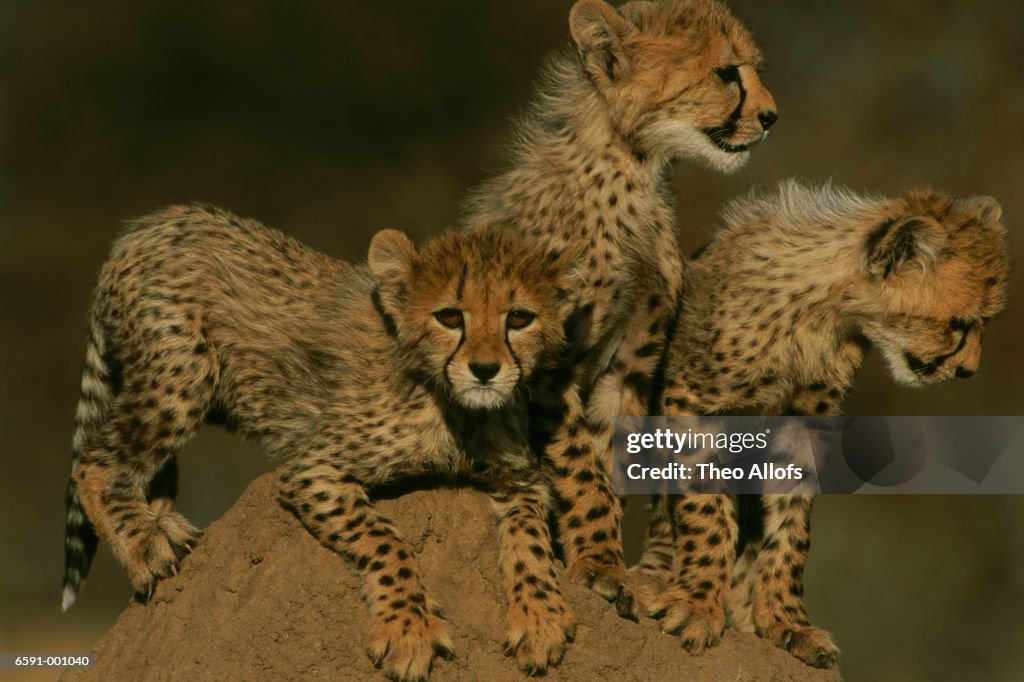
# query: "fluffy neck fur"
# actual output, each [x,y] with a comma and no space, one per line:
[565,138]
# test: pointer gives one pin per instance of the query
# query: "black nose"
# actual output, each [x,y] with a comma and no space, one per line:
[964,373]
[484,371]
[767,119]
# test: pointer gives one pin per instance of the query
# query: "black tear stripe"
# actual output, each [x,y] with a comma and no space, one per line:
[515,358]
[448,361]
[959,347]
[918,366]
[734,117]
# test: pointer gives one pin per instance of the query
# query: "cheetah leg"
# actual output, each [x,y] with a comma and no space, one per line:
[626,387]
[590,516]
[740,601]
[703,533]
[777,587]
[777,590]
[127,473]
[540,622]
[653,572]
[406,626]
[693,603]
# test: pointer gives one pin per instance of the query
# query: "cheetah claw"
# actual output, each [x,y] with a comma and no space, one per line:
[811,645]
[608,580]
[698,625]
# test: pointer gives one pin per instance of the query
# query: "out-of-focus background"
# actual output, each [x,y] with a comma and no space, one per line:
[332,120]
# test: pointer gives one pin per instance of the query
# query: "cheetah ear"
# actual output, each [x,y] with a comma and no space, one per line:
[598,30]
[391,256]
[987,208]
[897,244]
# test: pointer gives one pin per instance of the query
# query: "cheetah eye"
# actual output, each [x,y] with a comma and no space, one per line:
[519,319]
[730,73]
[449,317]
[958,324]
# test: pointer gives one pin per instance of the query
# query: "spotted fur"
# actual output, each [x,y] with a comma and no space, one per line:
[416,364]
[779,312]
[643,85]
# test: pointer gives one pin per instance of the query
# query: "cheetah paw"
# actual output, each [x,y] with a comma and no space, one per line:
[699,625]
[403,644]
[539,636]
[811,645]
[646,588]
[608,580]
[157,552]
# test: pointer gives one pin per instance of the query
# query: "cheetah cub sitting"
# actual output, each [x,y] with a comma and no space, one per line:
[415,364]
[779,311]
[644,85]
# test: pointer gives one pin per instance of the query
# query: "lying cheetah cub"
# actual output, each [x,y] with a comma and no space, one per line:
[352,375]
[778,313]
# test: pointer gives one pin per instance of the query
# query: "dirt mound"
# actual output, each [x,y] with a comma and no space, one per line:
[261,599]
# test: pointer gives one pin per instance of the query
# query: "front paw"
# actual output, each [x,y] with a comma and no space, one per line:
[159,545]
[539,631]
[607,579]
[699,623]
[403,643]
[811,645]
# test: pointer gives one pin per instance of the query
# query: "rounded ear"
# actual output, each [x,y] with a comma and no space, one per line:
[987,208]
[597,29]
[391,255]
[896,244]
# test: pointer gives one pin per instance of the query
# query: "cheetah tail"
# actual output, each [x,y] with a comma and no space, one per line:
[80,538]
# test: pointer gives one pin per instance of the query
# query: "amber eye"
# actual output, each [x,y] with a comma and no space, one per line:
[729,73]
[519,319]
[449,317]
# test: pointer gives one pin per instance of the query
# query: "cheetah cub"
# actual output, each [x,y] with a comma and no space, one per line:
[780,310]
[644,85]
[353,376]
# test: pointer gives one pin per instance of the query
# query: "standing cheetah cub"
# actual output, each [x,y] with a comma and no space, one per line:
[779,311]
[645,85]
[415,364]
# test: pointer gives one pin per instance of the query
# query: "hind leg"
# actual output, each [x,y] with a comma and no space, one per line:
[739,604]
[653,572]
[127,474]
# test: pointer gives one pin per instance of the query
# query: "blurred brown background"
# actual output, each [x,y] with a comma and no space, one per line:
[332,120]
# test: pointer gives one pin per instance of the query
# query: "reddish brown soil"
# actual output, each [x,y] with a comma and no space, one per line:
[260,599]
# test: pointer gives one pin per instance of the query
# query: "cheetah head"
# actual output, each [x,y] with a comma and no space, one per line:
[475,312]
[681,78]
[936,272]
